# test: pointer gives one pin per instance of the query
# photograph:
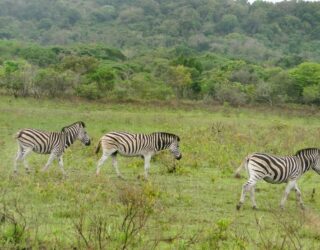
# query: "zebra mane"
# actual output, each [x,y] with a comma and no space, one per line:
[306,149]
[81,123]
[169,134]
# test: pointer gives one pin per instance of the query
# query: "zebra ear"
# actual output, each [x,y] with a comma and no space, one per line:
[82,124]
[178,138]
[62,130]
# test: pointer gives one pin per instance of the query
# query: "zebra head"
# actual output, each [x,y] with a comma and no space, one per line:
[83,135]
[311,157]
[76,131]
[174,147]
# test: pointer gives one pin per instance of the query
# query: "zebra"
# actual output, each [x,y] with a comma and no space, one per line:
[53,143]
[276,170]
[129,144]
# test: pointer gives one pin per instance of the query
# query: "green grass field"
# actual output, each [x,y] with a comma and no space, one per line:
[192,207]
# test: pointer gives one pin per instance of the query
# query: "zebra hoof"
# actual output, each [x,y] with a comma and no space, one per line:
[238,176]
[142,178]
[302,207]
[238,206]
[121,177]
[254,208]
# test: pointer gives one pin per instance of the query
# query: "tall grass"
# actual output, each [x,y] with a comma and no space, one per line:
[190,207]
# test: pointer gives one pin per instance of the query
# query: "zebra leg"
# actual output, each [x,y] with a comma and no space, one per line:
[100,162]
[252,196]
[298,194]
[60,160]
[115,166]
[291,184]
[18,158]
[246,187]
[147,159]
[26,166]
[50,160]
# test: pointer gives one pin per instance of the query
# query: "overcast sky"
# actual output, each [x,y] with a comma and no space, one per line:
[275,1]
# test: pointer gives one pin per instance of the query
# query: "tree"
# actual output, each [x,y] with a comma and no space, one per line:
[104,14]
[188,19]
[40,56]
[311,94]
[306,74]
[17,77]
[231,93]
[227,24]
[131,14]
[179,78]
[104,77]
[51,83]
[90,91]
[79,64]
[285,87]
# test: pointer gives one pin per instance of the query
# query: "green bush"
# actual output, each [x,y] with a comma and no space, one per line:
[104,76]
[49,82]
[79,64]
[16,77]
[311,94]
[40,56]
[231,93]
[89,91]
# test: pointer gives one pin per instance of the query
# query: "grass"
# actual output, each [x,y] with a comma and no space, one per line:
[191,208]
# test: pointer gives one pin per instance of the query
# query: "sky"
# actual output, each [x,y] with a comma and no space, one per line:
[275,1]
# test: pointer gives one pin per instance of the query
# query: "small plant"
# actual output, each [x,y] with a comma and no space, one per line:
[100,232]
[137,209]
[13,226]
[94,236]
[217,128]
[285,233]
[219,234]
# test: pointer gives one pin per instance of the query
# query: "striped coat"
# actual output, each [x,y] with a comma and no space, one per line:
[45,142]
[129,144]
[278,169]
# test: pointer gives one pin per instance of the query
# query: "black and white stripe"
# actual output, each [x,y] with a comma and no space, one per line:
[277,169]
[128,144]
[53,143]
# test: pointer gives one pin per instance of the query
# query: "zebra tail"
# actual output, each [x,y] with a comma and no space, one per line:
[243,165]
[98,147]
[18,134]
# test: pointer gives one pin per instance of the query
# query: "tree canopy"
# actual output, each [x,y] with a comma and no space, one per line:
[225,50]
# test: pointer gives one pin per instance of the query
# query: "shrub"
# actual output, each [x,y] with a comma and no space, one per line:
[104,77]
[49,82]
[231,93]
[16,77]
[105,13]
[311,93]
[38,55]
[13,226]
[89,91]
[79,64]
[100,231]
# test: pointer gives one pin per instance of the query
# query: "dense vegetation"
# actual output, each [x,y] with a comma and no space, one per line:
[210,51]
[186,204]
[220,50]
